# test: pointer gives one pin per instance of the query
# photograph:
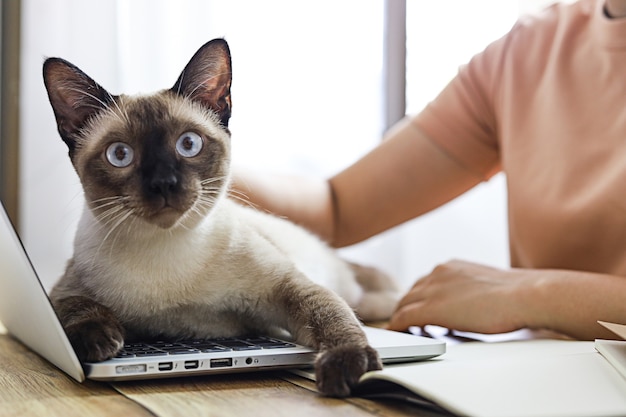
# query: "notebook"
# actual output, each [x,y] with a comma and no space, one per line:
[614,351]
[518,378]
[27,314]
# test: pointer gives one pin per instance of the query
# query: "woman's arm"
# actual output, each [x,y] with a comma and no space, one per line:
[404,177]
[303,200]
[470,297]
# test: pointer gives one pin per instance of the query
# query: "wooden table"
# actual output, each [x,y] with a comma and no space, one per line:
[30,386]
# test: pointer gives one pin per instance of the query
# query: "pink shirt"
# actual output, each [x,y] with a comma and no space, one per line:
[546,104]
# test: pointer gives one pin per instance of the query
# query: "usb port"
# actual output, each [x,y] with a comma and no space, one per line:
[221,363]
[166,366]
[191,364]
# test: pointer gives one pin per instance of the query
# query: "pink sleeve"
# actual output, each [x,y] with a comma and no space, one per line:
[461,120]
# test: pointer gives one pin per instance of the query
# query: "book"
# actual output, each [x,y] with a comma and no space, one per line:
[506,379]
[614,351]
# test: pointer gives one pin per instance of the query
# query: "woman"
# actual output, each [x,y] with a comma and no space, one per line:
[545,104]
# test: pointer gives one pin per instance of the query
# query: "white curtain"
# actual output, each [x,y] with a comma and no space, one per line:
[306,92]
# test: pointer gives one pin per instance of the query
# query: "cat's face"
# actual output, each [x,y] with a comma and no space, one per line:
[161,158]
[158,158]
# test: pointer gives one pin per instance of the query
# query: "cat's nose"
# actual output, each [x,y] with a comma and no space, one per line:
[163,185]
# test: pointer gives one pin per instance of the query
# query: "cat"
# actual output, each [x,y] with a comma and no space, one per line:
[163,250]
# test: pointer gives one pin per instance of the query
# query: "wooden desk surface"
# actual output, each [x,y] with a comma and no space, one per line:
[30,386]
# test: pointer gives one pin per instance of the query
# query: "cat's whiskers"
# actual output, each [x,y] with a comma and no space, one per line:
[212,192]
[211,180]
[109,207]
[112,219]
[180,84]
[104,207]
[117,220]
[107,216]
[205,201]
[208,186]
[99,200]
[110,213]
[242,197]
[234,194]
[198,205]
[118,232]
[122,111]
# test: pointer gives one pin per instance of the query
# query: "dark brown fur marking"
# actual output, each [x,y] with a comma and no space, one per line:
[93,330]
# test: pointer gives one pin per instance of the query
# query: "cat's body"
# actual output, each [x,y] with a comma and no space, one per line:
[226,265]
[162,251]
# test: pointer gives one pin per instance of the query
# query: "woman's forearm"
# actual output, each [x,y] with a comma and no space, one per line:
[571,302]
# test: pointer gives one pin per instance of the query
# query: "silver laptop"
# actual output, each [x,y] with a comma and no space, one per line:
[26,312]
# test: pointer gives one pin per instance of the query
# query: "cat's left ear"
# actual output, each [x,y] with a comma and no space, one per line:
[207,78]
[74,96]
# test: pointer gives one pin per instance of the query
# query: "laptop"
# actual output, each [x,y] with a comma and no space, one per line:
[26,312]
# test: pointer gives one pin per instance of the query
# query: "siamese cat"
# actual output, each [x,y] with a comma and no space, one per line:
[162,250]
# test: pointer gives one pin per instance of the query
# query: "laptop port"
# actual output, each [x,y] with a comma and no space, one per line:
[191,364]
[166,366]
[221,363]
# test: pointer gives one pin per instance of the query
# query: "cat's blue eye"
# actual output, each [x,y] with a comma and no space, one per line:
[189,144]
[119,154]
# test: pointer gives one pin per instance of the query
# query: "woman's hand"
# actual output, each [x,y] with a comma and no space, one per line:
[475,298]
[464,296]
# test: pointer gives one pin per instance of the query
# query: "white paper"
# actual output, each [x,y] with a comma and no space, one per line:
[517,379]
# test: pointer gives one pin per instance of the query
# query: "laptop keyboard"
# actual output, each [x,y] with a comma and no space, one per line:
[135,350]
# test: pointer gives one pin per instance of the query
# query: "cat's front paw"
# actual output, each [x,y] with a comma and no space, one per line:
[337,370]
[96,339]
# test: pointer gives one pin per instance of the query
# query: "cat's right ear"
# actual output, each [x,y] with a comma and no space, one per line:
[74,97]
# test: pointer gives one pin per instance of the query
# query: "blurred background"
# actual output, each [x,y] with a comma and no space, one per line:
[315,86]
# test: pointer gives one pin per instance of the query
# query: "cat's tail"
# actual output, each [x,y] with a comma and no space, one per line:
[380,293]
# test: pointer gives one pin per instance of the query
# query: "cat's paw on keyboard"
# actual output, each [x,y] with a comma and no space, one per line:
[95,339]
